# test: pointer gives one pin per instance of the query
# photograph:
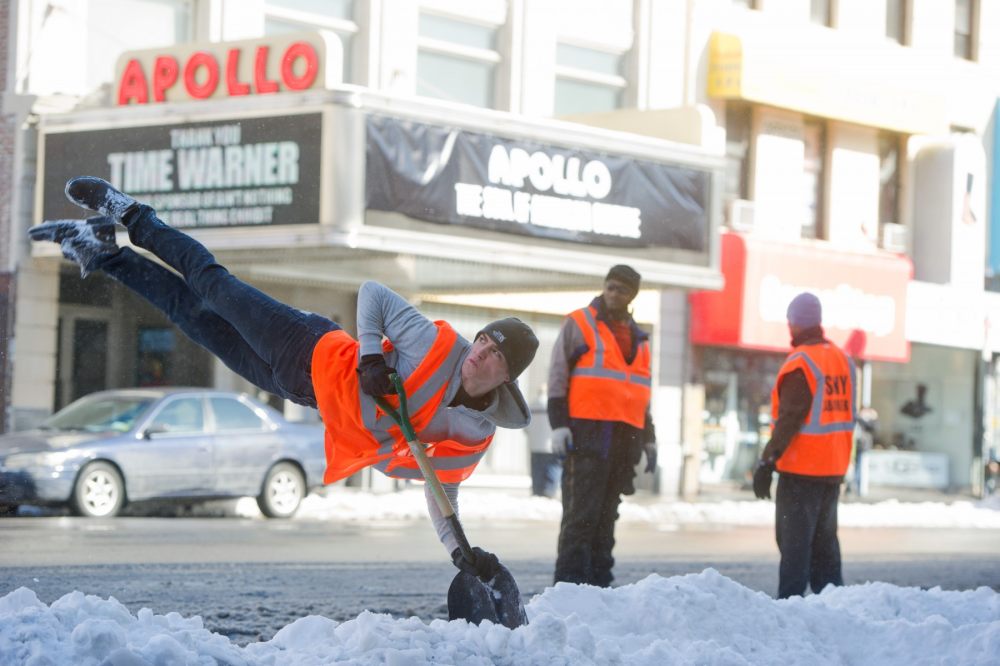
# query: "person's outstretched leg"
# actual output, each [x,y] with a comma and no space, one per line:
[86,242]
[171,295]
[282,336]
[91,244]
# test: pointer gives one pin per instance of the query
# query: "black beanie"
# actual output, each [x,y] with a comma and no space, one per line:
[626,275]
[517,342]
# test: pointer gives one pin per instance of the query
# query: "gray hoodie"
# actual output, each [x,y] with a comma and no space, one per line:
[383,312]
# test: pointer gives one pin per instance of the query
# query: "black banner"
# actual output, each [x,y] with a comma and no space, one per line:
[231,172]
[453,176]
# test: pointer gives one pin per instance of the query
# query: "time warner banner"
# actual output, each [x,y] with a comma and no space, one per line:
[229,172]
[454,176]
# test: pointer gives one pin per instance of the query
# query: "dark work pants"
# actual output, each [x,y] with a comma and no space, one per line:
[591,493]
[266,342]
[806,530]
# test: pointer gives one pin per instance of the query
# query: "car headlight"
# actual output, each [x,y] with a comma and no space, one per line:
[22,461]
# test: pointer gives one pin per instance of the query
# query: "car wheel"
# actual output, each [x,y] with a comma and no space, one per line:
[99,491]
[284,488]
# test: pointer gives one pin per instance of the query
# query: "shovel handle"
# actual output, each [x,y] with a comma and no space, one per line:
[402,418]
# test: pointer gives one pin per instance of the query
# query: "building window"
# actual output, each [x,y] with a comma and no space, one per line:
[457,60]
[738,117]
[895,20]
[813,177]
[819,12]
[966,13]
[337,16]
[165,22]
[889,152]
[588,80]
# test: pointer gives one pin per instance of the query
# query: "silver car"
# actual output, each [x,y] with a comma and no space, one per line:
[114,447]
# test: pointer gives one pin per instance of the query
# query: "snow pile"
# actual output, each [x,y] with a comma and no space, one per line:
[701,618]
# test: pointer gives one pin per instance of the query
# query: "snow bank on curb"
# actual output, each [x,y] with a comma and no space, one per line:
[349,505]
[701,618]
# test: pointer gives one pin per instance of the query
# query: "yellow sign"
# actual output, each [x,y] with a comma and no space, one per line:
[725,66]
[814,73]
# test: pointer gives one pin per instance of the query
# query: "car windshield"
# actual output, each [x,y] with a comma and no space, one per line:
[99,414]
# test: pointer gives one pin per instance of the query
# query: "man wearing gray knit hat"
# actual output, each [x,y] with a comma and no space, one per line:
[460,391]
[599,390]
[813,409]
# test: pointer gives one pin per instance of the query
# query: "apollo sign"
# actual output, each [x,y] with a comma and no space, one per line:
[284,63]
[546,172]
[517,185]
[570,179]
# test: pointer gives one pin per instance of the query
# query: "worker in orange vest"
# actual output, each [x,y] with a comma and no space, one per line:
[813,411]
[458,391]
[599,392]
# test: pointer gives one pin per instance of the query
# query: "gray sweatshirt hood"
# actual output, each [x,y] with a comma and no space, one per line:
[508,408]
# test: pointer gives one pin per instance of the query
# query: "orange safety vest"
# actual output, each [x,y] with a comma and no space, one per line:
[359,433]
[602,386]
[823,446]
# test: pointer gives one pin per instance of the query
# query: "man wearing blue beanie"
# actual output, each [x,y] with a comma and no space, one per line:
[813,409]
[805,311]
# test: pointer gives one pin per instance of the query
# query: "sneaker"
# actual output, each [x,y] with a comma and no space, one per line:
[86,242]
[98,195]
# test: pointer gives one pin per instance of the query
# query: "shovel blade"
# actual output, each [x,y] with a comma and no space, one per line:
[498,601]
[471,599]
[507,598]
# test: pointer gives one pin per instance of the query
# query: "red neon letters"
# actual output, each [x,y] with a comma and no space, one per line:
[200,74]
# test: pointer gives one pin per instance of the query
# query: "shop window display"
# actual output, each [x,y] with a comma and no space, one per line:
[737,413]
[155,351]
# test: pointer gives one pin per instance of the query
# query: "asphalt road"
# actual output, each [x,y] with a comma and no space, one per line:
[248,578]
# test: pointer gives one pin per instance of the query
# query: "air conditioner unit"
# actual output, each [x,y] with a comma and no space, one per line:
[892,237]
[740,215]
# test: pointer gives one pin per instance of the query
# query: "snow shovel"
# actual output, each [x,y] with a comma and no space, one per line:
[469,598]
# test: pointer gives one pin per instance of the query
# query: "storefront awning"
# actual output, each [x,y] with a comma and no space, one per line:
[863,297]
[345,268]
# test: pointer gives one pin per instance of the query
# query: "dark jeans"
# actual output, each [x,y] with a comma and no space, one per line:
[806,530]
[266,342]
[546,472]
[592,489]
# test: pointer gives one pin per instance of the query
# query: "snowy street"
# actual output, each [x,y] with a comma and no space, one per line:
[248,578]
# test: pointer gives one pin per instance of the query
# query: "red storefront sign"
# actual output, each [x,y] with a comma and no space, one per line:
[863,297]
[290,62]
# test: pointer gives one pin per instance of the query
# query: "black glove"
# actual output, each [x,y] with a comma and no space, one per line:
[485,566]
[650,449]
[762,472]
[374,375]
